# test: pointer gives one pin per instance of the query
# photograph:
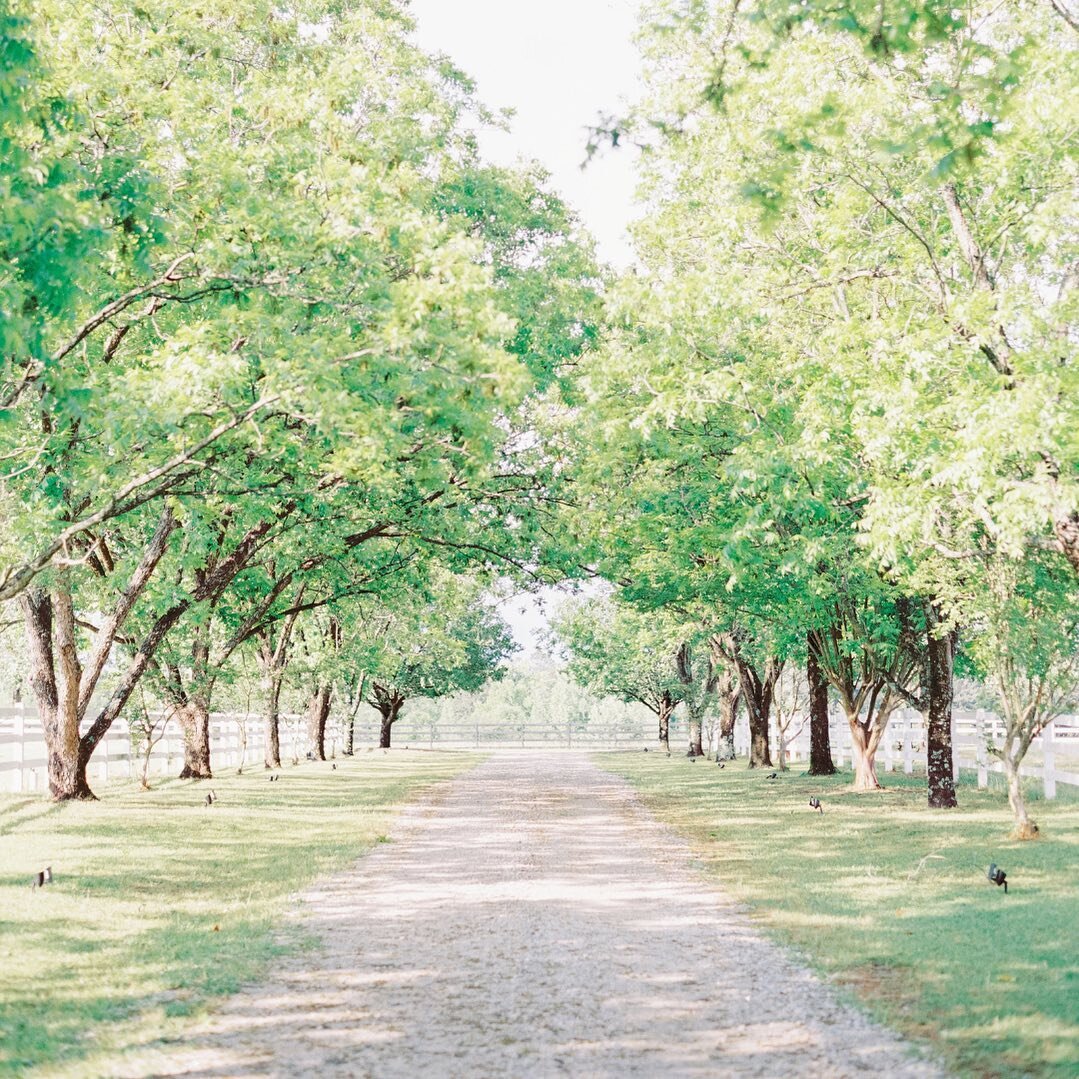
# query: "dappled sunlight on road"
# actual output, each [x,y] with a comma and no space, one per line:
[532,921]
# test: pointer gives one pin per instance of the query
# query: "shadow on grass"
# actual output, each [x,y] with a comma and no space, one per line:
[161,903]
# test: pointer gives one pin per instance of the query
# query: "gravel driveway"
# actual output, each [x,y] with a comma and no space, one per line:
[533,920]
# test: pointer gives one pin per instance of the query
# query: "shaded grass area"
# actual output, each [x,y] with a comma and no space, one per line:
[161,903]
[891,900]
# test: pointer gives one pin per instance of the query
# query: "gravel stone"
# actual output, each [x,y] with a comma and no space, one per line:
[532,919]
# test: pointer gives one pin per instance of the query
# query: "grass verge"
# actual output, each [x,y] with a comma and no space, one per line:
[161,903]
[891,900]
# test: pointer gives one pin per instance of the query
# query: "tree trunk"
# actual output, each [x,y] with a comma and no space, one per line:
[59,718]
[757,690]
[820,745]
[194,718]
[318,712]
[696,749]
[666,707]
[941,777]
[760,755]
[864,741]
[350,735]
[727,694]
[1025,828]
[273,725]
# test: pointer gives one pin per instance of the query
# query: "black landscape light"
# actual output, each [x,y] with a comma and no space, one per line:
[41,878]
[721,764]
[998,876]
[772,775]
[814,803]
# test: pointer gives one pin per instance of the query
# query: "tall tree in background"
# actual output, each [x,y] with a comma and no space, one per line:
[616,651]
[447,641]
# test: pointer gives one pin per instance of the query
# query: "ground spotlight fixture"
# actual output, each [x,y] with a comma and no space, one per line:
[772,775]
[40,879]
[814,803]
[998,876]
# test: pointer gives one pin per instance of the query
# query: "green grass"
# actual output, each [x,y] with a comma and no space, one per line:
[160,903]
[891,900]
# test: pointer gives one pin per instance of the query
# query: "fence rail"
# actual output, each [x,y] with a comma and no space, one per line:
[904,745]
[238,741]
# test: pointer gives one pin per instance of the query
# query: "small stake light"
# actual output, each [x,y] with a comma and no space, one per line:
[814,803]
[998,876]
[41,878]
[772,775]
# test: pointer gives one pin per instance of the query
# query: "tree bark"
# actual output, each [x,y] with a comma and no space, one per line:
[318,712]
[728,717]
[941,662]
[390,710]
[1025,828]
[759,713]
[820,745]
[696,748]
[757,689]
[664,710]
[273,724]
[59,719]
[865,738]
[194,717]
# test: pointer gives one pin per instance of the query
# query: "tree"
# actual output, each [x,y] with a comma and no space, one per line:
[260,364]
[1027,646]
[448,641]
[616,651]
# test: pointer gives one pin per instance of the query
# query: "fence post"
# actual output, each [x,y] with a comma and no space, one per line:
[1049,778]
[105,759]
[955,749]
[980,752]
[889,750]
[20,753]
[908,748]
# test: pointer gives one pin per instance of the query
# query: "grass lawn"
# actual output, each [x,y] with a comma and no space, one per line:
[891,899]
[161,903]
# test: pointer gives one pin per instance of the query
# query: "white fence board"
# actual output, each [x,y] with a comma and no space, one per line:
[237,740]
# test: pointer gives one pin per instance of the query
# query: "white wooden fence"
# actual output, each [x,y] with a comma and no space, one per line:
[904,746]
[239,741]
[235,741]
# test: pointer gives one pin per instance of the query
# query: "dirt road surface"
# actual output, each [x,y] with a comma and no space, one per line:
[531,920]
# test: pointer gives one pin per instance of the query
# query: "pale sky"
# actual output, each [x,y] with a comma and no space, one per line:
[560,65]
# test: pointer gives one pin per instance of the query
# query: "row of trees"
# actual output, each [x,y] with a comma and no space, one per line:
[535,701]
[289,372]
[266,321]
[833,422]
